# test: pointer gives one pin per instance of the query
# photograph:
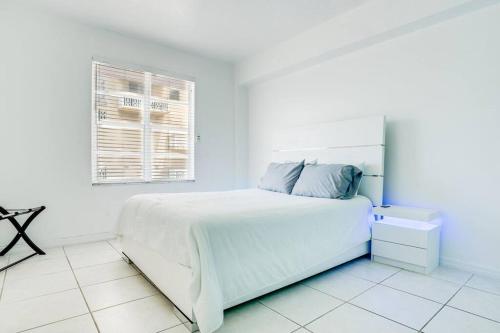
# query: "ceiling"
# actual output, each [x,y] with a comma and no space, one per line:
[226,29]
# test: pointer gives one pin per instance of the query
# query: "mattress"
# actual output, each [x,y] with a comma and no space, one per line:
[238,242]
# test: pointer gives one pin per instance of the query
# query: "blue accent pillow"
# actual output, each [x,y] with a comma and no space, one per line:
[334,181]
[281,177]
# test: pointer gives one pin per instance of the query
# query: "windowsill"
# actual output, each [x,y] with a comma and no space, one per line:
[147,183]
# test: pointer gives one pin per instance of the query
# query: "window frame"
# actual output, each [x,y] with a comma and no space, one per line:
[146,126]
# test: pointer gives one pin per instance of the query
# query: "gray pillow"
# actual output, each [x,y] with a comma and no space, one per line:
[281,177]
[335,181]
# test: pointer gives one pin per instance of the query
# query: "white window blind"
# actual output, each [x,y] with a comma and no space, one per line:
[142,126]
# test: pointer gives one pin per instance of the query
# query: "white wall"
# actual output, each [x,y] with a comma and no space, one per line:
[241,136]
[440,90]
[45,113]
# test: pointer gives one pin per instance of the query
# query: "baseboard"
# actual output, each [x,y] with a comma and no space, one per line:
[64,241]
[469,267]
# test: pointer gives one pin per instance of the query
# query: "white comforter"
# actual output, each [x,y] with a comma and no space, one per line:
[240,243]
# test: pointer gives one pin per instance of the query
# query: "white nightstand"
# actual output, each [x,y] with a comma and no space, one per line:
[406,237]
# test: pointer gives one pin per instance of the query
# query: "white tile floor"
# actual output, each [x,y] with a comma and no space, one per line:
[88,288]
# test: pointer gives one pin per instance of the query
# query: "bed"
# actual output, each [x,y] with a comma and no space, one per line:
[209,251]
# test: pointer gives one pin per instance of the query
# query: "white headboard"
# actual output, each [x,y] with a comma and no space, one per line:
[353,141]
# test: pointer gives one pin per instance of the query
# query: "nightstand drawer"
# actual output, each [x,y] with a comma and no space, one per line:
[400,252]
[404,232]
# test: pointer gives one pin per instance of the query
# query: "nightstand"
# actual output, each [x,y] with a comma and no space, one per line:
[406,237]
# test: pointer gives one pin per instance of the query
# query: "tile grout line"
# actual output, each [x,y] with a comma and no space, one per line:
[81,292]
[39,275]
[324,314]
[90,312]
[4,278]
[375,284]
[107,281]
[419,296]
[474,314]
[351,275]
[371,262]
[331,310]
[387,278]
[340,299]
[119,252]
[43,295]
[94,265]
[348,301]
[377,314]
[344,302]
[44,274]
[282,315]
[405,270]
[304,325]
[158,292]
[53,322]
[138,273]
[482,290]
[379,284]
[444,305]
[102,263]
[133,300]
[166,329]
[66,270]
[61,320]
[301,328]
[463,284]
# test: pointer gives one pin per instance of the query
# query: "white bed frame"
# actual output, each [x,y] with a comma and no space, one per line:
[350,141]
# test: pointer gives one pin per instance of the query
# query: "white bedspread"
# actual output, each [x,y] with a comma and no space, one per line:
[241,242]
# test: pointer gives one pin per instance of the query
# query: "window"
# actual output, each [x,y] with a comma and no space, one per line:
[142,126]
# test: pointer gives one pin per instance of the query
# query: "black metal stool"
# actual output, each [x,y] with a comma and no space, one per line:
[11,214]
